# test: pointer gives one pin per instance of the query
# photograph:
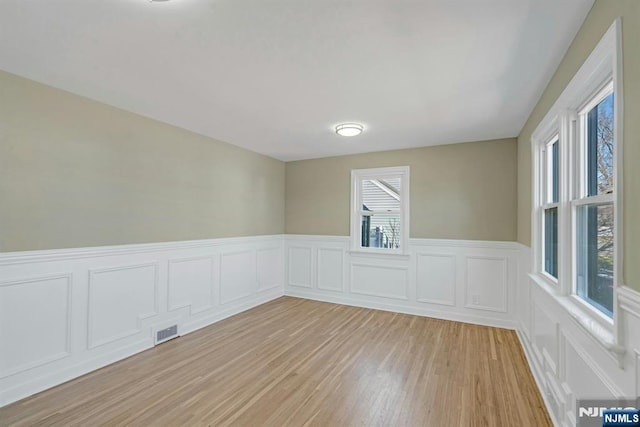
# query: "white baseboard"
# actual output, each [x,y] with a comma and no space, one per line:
[402,308]
[537,375]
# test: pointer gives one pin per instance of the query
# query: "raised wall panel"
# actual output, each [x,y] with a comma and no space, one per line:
[330,269]
[191,284]
[35,316]
[486,283]
[436,278]
[119,298]
[523,301]
[582,375]
[546,337]
[269,265]
[237,276]
[300,266]
[379,280]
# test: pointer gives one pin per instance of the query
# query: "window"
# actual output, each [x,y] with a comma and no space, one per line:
[550,207]
[379,209]
[594,204]
[576,218]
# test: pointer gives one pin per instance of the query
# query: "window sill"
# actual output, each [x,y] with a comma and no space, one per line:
[379,254]
[602,334]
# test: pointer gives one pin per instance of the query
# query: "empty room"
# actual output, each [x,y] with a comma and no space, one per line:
[320,213]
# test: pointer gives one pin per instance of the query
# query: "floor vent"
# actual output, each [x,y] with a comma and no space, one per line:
[166,334]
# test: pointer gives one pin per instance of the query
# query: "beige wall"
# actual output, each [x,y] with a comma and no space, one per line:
[598,21]
[74,173]
[460,191]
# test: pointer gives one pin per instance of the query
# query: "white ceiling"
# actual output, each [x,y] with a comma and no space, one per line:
[275,76]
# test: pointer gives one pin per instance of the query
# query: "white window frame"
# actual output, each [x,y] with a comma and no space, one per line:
[602,71]
[357,176]
[545,199]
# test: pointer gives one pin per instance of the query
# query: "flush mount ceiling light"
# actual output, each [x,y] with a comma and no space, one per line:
[349,129]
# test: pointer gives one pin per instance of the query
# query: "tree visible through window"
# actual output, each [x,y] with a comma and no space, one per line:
[595,213]
[577,181]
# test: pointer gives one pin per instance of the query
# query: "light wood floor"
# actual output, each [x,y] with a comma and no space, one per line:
[298,362]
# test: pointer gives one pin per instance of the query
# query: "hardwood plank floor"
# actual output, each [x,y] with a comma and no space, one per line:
[301,363]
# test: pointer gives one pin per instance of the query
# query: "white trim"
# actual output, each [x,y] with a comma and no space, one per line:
[600,74]
[607,366]
[423,293]
[405,284]
[600,199]
[19,257]
[299,284]
[452,301]
[85,351]
[67,345]
[413,241]
[316,238]
[618,183]
[629,300]
[505,285]
[484,244]
[140,317]
[171,265]
[398,307]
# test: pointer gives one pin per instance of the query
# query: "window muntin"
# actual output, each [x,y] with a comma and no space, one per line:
[379,218]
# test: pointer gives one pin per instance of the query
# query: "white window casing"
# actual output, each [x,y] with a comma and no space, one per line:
[377,177]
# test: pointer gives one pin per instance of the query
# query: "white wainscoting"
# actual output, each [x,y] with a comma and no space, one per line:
[468,281]
[66,312]
[567,361]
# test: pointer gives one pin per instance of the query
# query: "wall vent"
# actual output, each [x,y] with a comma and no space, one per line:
[166,334]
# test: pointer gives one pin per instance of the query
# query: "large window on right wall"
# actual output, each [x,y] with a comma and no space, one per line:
[594,202]
[577,195]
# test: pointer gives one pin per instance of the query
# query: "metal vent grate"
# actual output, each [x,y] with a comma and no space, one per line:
[166,334]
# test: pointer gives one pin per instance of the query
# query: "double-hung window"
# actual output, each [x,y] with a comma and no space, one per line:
[594,202]
[380,210]
[577,199]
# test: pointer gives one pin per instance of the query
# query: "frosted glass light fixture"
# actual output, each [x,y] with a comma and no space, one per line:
[349,129]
